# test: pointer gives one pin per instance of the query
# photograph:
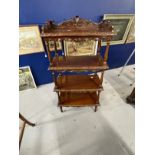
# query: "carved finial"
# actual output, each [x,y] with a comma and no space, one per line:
[49,25]
[42,29]
[101,18]
[77,19]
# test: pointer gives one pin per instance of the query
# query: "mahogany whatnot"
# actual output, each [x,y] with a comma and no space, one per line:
[77,90]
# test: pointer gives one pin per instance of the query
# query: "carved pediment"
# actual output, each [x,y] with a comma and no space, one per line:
[78,23]
[77,27]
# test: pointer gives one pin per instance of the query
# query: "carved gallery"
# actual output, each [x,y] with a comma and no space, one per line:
[76,77]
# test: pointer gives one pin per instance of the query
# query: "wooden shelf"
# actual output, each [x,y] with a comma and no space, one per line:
[78,99]
[76,83]
[77,90]
[78,63]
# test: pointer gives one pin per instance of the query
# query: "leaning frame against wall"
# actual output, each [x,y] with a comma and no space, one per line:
[30,40]
[80,89]
[131,35]
[121,24]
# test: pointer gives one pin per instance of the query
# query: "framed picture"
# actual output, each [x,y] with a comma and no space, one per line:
[121,24]
[79,48]
[58,44]
[131,35]
[26,80]
[30,40]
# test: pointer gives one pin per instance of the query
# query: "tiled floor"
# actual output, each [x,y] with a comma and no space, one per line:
[81,131]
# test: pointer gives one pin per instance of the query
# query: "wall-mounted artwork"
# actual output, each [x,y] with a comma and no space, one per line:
[121,24]
[58,44]
[30,40]
[131,35]
[78,48]
[26,80]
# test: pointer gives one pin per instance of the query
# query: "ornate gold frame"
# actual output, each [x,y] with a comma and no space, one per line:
[30,40]
[83,47]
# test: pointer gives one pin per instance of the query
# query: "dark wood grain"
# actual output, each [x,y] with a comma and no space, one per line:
[77,27]
[78,90]
[78,63]
[70,99]
[78,83]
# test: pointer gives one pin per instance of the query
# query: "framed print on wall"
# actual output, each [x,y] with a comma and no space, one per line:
[26,80]
[79,48]
[30,40]
[131,35]
[121,24]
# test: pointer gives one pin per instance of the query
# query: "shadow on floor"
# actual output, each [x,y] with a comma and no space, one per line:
[86,133]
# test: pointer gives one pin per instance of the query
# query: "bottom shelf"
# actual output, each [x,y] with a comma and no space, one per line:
[70,99]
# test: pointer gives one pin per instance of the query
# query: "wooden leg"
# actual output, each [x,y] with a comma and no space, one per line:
[131,97]
[23,127]
[21,134]
[95,108]
[61,109]
[25,120]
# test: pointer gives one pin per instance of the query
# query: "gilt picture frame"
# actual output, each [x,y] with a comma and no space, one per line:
[131,35]
[26,80]
[30,40]
[80,48]
[121,24]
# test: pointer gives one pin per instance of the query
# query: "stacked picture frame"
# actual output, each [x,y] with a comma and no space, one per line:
[26,80]
[75,72]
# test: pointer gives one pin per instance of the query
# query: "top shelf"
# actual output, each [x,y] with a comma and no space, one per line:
[69,63]
[77,27]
